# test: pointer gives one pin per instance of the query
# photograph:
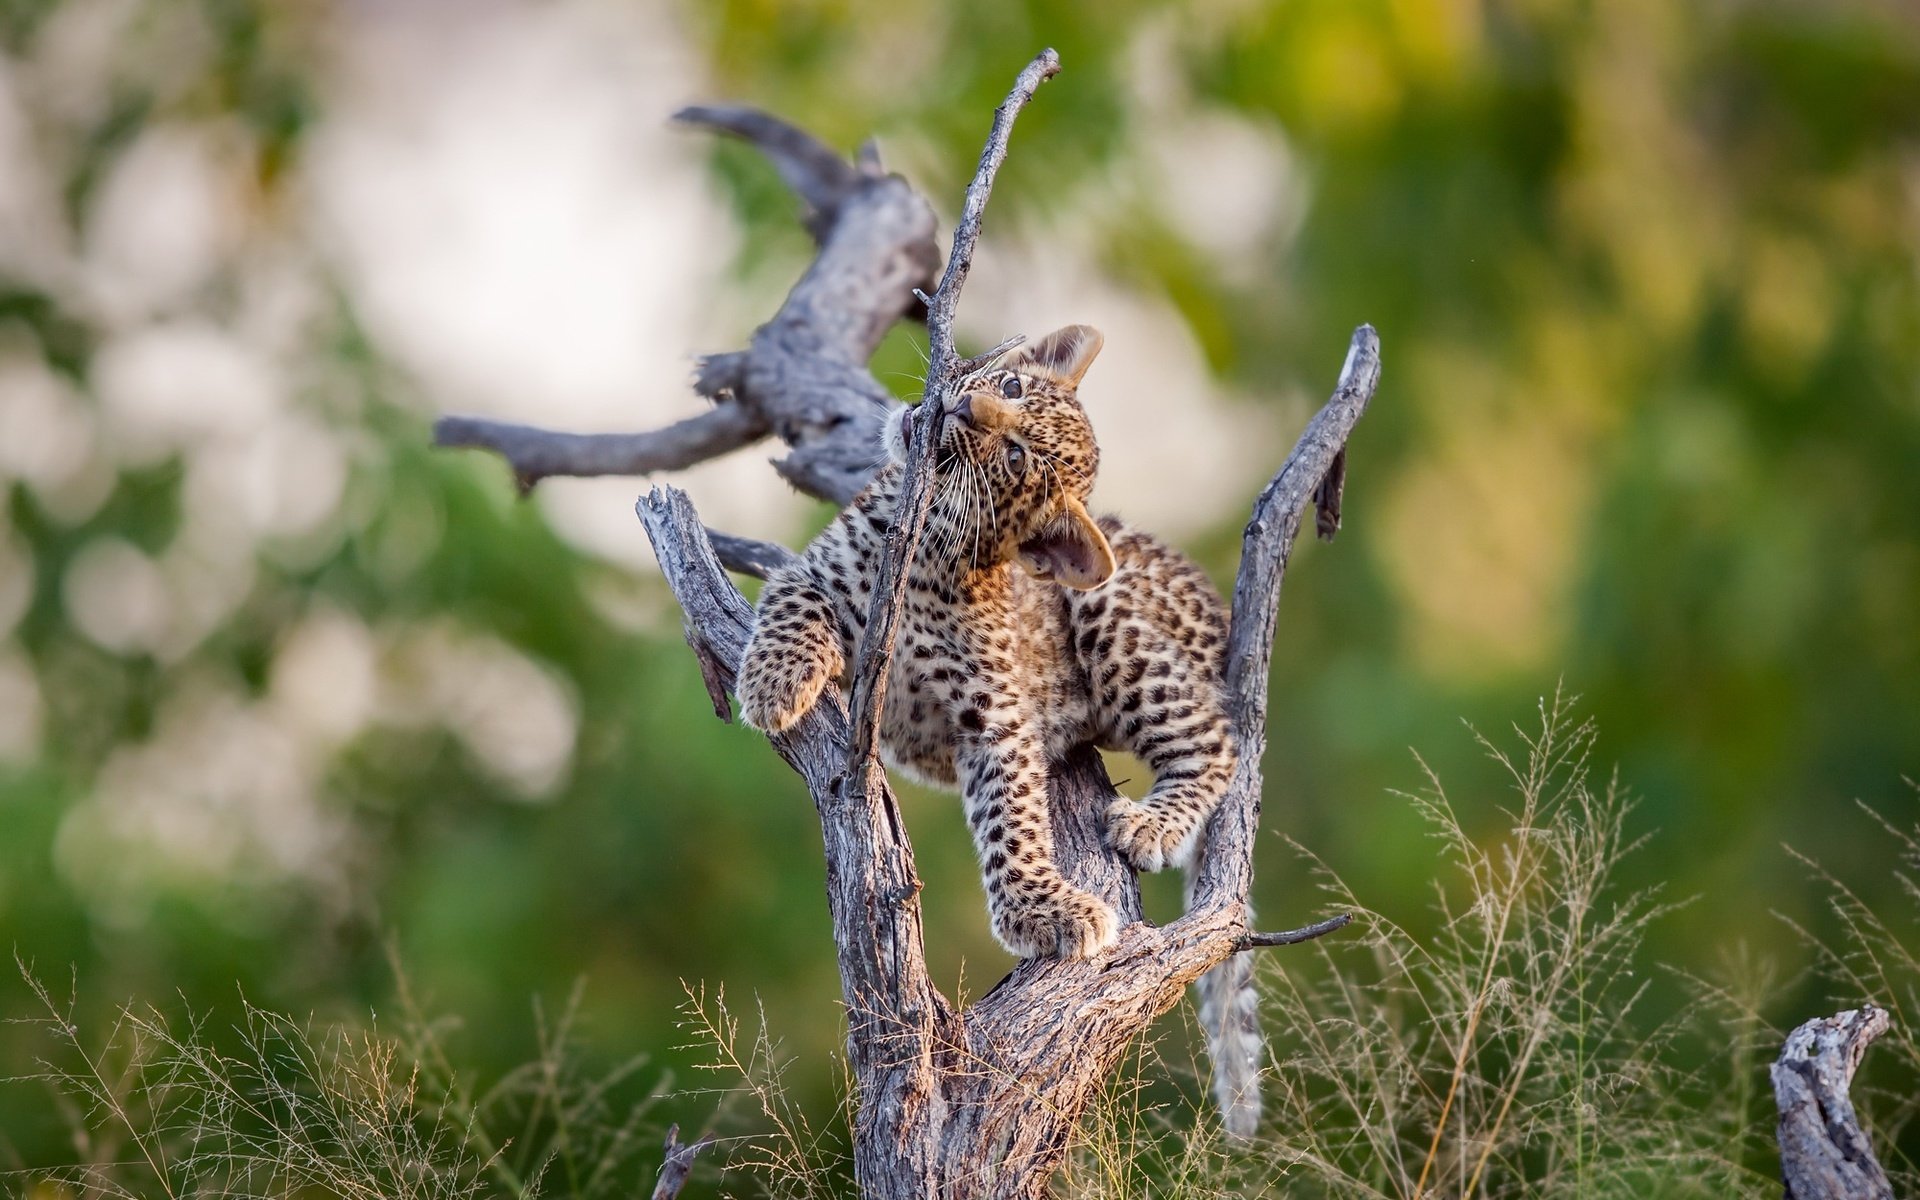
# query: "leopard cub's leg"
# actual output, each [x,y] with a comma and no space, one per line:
[1160,701]
[794,653]
[1035,911]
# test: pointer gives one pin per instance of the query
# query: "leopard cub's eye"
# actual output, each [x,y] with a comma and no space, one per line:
[1010,387]
[1016,457]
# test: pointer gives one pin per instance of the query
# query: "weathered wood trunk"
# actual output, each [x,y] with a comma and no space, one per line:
[982,1100]
[1824,1154]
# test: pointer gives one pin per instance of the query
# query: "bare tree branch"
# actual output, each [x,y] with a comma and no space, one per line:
[803,377]
[893,1009]
[808,166]
[750,557]
[1225,871]
[536,454]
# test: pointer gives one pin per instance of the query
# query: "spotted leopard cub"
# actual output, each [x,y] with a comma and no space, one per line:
[1029,628]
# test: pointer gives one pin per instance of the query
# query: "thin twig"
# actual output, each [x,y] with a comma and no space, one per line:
[811,168]
[969,365]
[966,235]
[749,556]
[916,490]
[1293,937]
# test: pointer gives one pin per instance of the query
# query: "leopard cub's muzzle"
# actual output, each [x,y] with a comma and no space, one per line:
[981,411]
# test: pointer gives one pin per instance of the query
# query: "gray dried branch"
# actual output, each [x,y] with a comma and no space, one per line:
[803,376]
[1824,1154]
[808,166]
[1225,870]
[536,454]
[1293,937]
[748,556]
[916,489]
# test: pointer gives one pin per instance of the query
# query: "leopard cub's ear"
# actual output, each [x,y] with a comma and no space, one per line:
[1070,551]
[1065,354]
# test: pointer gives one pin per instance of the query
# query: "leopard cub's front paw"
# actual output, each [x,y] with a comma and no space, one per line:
[1150,837]
[773,701]
[1064,923]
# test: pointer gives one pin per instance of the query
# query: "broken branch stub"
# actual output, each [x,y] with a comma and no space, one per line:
[1824,1154]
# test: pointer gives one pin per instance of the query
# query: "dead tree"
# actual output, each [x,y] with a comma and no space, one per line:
[981,1100]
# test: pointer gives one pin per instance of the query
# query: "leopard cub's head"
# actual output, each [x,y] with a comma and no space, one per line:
[1016,461]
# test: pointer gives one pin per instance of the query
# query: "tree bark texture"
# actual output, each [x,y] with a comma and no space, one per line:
[982,1100]
[1824,1154]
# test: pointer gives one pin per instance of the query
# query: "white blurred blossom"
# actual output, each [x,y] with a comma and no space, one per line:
[46,429]
[33,238]
[222,790]
[172,386]
[209,574]
[281,480]
[117,597]
[325,680]
[164,218]
[233,788]
[517,718]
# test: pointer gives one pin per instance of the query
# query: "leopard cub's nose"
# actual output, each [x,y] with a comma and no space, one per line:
[962,410]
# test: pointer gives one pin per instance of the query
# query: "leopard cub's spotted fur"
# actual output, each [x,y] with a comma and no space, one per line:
[1029,628]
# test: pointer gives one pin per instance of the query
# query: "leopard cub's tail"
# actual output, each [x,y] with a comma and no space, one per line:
[1236,1046]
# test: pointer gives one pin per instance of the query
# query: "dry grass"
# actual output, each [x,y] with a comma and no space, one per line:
[788,1154]
[1509,1053]
[162,1105]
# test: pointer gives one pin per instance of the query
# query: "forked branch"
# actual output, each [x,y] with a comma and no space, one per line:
[1064,1023]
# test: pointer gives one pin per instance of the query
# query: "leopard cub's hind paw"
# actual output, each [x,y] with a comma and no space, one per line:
[1150,837]
[1068,923]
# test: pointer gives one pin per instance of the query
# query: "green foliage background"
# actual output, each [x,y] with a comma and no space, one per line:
[1646,278]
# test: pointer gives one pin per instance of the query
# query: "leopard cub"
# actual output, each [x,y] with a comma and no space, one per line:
[1029,628]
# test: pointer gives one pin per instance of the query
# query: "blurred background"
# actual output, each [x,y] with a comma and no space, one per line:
[290,703]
